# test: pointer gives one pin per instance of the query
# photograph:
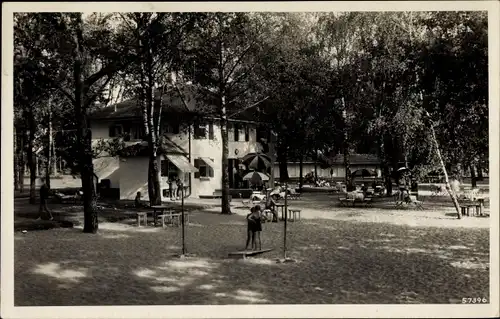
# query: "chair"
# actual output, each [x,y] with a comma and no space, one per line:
[246,202]
[416,202]
[294,194]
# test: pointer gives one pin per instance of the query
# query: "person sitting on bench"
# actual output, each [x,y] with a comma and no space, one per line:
[138,203]
[271,205]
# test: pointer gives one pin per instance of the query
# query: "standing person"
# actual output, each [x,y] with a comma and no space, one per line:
[173,194]
[179,185]
[44,195]
[254,227]
[170,187]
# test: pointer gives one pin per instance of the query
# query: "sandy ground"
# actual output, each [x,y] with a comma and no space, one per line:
[343,255]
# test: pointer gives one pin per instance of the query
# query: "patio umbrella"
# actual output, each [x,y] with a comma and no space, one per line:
[256,160]
[255,177]
[403,169]
[363,173]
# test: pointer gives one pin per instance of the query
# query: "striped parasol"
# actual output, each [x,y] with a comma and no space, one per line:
[256,160]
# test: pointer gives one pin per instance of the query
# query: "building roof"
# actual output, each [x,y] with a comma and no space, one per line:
[357,159]
[338,159]
[190,103]
[140,148]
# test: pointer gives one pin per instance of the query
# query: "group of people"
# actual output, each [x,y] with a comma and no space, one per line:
[175,187]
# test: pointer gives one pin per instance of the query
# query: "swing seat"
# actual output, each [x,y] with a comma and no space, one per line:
[246,253]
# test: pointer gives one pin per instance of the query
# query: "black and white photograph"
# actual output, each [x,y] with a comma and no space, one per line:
[300,159]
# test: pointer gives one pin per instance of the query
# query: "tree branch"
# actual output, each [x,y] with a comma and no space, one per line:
[248,107]
[92,98]
[238,62]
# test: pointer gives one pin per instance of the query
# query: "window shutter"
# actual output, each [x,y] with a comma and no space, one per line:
[197,165]
[236,129]
[247,133]
[211,130]
[210,171]
[111,131]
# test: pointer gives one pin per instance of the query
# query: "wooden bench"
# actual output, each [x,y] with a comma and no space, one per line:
[346,201]
[172,217]
[367,201]
[144,217]
[294,213]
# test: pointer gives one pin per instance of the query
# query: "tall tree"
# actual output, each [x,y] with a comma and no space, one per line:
[225,51]
[93,53]
[158,39]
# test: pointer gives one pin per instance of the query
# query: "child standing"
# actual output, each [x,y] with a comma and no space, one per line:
[254,227]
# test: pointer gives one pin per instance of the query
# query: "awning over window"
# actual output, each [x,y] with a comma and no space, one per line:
[208,161]
[182,163]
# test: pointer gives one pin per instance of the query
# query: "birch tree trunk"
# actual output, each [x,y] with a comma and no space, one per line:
[443,166]
[48,147]
[31,154]
[155,195]
[301,171]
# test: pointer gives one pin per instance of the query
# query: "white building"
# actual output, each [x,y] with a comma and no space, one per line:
[192,152]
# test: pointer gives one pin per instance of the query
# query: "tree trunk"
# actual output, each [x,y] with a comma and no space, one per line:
[448,187]
[315,165]
[22,161]
[155,187]
[84,140]
[226,209]
[48,149]
[479,172]
[385,167]
[283,161]
[301,171]
[31,154]
[347,164]
[473,178]
[16,160]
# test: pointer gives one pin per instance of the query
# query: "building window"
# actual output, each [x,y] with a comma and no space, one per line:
[168,169]
[137,132]
[200,131]
[211,131]
[236,129]
[247,133]
[115,130]
[204,170]
[170,128]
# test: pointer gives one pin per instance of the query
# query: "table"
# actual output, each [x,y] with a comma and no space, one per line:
[161,209]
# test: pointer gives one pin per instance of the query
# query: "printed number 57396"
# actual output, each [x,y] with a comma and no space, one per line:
[474,300]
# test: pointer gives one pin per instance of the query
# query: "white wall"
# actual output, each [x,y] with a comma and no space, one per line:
[108,168]
[133,173]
